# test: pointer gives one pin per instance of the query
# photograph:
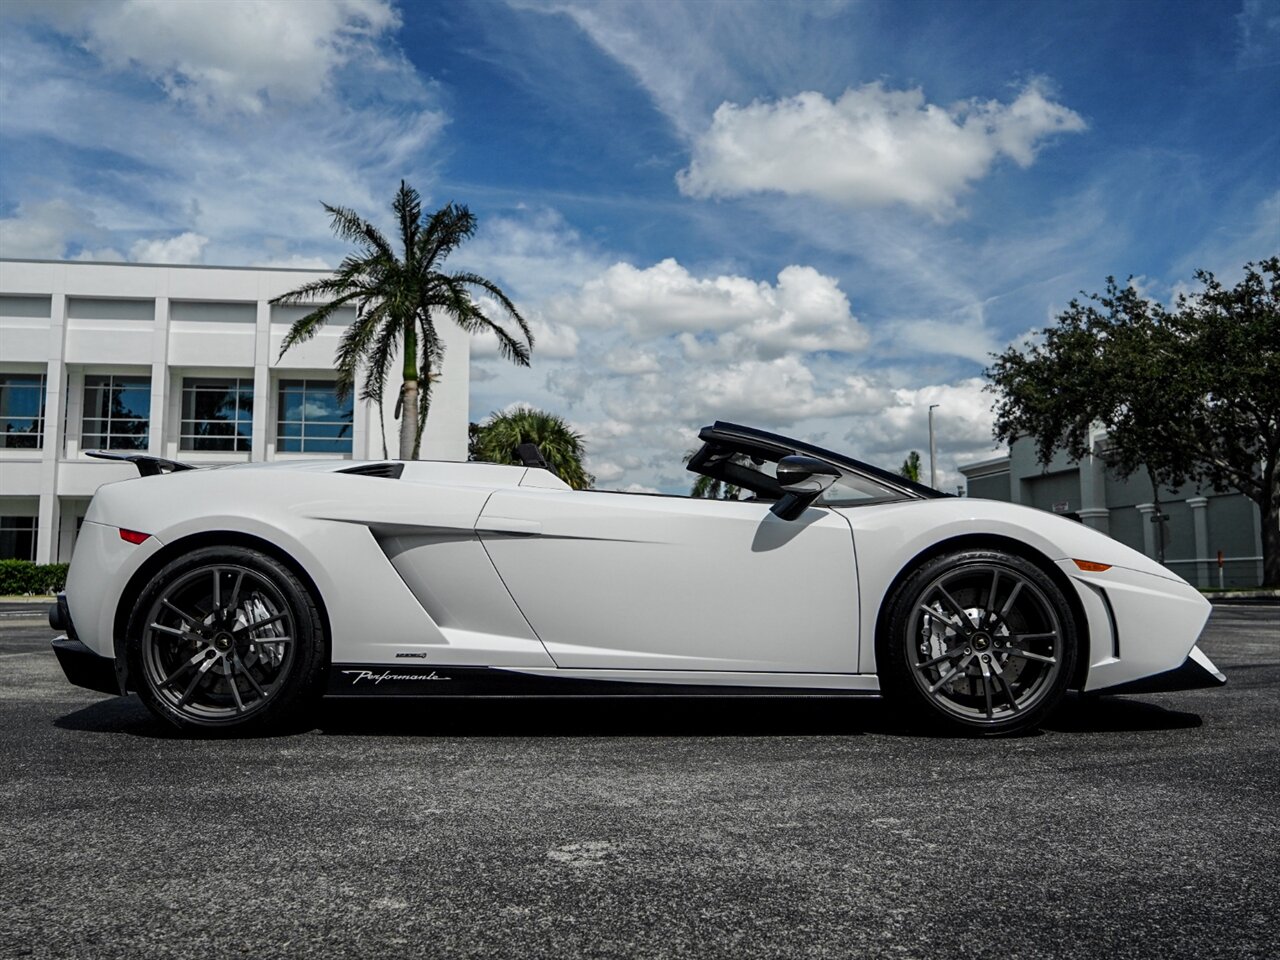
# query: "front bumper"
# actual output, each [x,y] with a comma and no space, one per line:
[1196,673]
[85,668]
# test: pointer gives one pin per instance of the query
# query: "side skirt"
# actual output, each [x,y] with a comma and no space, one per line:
[383,680]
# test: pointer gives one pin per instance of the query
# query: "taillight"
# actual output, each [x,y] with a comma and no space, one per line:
[133,536]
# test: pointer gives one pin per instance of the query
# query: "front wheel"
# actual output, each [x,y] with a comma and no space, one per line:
[227,639]
[979,641]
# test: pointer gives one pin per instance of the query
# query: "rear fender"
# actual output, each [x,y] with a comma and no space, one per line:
[366,600]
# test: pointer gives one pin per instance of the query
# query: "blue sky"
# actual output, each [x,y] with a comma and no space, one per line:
[818,218]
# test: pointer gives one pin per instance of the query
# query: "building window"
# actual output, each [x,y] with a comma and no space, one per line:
[217,414]
[17,538]
[312,420]
[22,410]
[117,413]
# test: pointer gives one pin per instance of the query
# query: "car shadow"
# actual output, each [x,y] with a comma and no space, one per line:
[124,715]
[1083,713]
[608,717]
[533,717]
[627,717]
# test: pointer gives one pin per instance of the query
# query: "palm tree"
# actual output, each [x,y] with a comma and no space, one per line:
[495,440]
[397,300]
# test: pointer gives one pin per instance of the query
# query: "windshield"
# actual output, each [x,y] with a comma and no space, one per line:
[851,490]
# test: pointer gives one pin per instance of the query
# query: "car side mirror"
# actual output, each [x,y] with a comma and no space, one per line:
[803,480]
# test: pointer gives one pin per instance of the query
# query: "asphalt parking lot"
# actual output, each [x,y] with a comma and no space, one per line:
[1131,827]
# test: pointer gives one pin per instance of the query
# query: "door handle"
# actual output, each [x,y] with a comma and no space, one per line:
[511,526]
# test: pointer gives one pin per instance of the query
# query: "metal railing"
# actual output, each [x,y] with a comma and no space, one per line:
[1221,563]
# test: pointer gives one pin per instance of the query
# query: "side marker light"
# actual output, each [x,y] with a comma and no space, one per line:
[1092,567]
[133,536]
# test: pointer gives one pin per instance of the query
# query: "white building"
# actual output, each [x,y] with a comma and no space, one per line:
[180,362]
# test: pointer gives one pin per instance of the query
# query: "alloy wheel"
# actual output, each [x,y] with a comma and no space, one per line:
[218,643]
[985,643]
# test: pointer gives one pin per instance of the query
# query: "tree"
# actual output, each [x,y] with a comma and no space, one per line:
[1187,394]
[397,300]
[495,440]
[911,467]
[1230,355]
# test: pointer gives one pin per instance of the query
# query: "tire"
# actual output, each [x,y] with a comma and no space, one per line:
[227,640]
[980,642]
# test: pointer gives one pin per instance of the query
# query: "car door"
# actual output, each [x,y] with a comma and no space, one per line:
[633,581]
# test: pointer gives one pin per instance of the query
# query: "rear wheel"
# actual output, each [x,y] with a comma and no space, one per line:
[979,641]
[227,639]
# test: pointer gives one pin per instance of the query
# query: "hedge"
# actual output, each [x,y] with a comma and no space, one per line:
[25,577]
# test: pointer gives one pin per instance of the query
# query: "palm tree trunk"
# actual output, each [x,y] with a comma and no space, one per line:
[408,418]
[409,394]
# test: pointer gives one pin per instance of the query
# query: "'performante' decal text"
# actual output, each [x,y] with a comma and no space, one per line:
[359,676]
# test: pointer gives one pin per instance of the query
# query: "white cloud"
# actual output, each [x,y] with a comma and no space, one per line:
[964,334]
[673,50]
[605,471]
[662,352]
[639,488]
[48,230]
[249,168]
[630,362]
[532,254]
[861,414]
[184,248]
[690,56]
[610,429]
[296,262]
[43,230]
[962,421]
[805,311]
[551,341]
[871,147]
[102,255]
[235,55]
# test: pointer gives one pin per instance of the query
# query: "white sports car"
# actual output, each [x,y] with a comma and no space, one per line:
[233,598]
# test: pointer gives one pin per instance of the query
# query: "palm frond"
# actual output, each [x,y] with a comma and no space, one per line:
[496,292]
[378,362]
[471,318]
[355,346]
[349,225]
[310,292]
[449,227]
[306,327]
[408,210]
[432,355]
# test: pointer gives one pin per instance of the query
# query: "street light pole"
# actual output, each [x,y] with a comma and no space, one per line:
[933,451]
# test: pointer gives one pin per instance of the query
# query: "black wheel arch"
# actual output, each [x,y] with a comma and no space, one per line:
[982,541]
[171,551]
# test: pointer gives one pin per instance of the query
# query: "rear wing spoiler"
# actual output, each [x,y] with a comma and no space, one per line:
[147,466]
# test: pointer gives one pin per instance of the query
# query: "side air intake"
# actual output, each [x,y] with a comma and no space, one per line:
[387,470]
